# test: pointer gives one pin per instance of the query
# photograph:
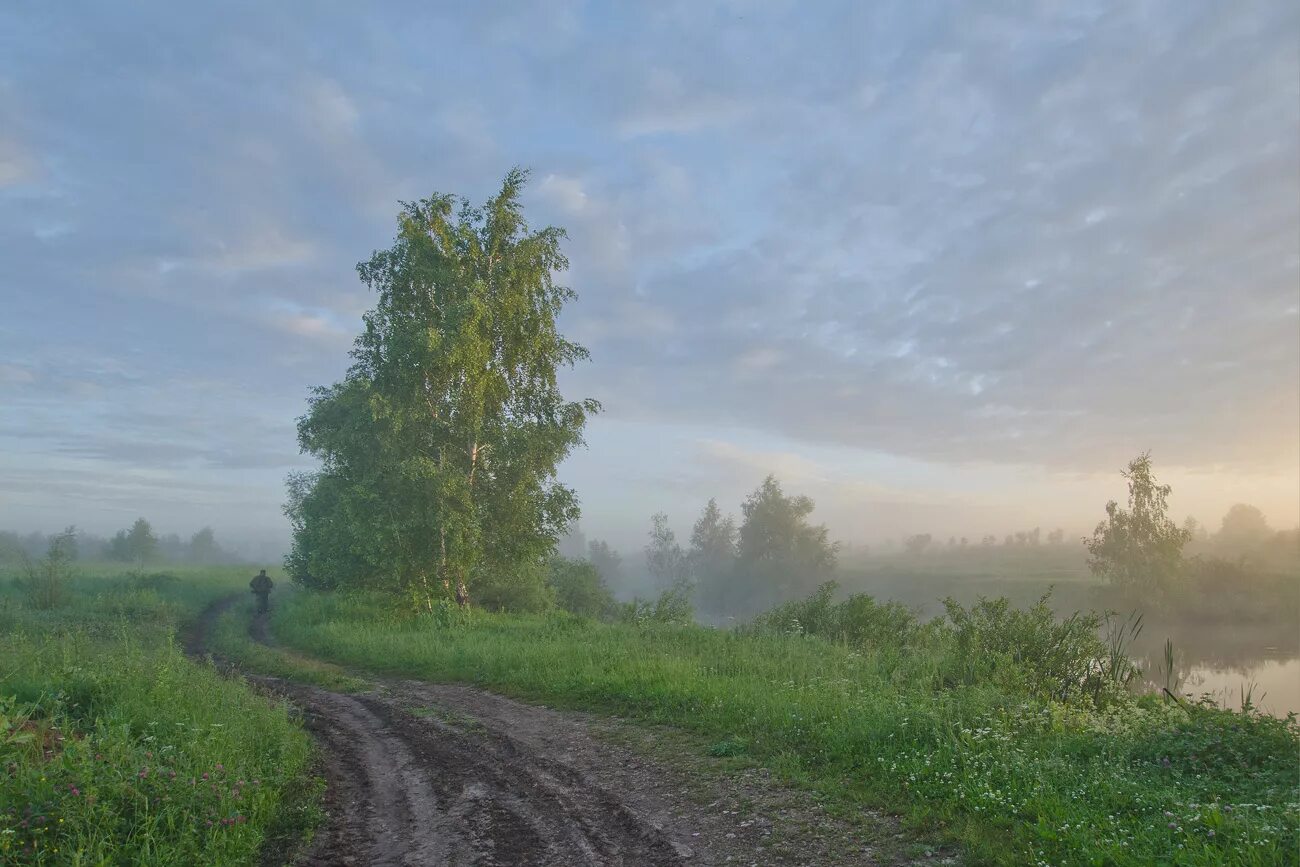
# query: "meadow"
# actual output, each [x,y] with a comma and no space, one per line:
[118,748]
[941,722]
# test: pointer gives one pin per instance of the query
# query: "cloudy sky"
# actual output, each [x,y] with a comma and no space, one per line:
[944,267]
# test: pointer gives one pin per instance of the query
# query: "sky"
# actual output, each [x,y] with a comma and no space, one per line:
[944,267]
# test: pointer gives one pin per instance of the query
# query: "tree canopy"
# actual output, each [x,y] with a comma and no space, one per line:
[438,449]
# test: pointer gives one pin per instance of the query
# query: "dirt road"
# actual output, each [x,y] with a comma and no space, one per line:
[435,774]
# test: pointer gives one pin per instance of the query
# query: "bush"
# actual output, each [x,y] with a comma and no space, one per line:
[579,589]
[859,621]
[671,606]
[1028,651]
[524,590]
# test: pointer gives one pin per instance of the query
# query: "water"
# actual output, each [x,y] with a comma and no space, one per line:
[1273,685]
[1223,661]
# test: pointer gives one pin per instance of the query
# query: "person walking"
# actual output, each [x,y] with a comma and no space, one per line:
[262,585]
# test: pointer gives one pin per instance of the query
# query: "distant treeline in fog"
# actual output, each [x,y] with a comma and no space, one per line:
[138,544]
[773,552]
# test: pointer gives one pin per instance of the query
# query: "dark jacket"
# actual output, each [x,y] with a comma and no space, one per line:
[261,583]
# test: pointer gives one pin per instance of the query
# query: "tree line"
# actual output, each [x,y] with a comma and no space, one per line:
[138,544]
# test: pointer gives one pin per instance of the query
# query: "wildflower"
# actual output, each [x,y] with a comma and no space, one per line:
[74,790]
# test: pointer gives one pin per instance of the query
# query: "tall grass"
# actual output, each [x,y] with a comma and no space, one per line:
[117,749]
[1011,770]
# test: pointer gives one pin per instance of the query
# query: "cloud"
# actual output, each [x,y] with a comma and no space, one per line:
[1054,236]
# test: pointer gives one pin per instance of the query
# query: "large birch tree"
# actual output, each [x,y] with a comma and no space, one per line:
[438,450]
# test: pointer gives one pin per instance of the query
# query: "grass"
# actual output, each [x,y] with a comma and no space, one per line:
[1013,777]
[117,748]
[230,640]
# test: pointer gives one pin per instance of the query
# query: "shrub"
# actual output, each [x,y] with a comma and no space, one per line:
[579,589]
[1027,650]
[859,621]
[671,606]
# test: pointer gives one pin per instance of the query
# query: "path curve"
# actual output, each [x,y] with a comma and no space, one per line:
[446,774]
[415,790]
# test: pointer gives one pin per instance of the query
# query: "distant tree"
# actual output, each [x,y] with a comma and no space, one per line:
[47,578]
[171,547]
[119,547]
[1056,537]
[1244,527]
[1139,549]
[780,555]
[917,545]
[573,544]
[989,541]
[64,546]
[712,557]
[203,547]
[1009,540]
[1195,529]
[141,543]
[663,556]
[439,448]
[964,542]
[606,561]
[11,547]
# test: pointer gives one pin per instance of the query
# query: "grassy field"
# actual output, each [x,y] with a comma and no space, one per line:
[119,749]
[1015,777]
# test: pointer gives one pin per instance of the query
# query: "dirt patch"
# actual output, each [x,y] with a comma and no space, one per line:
[429,774]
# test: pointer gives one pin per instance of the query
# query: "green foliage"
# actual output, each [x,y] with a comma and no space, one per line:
[1029,651]
[1139,549]
[438,450]
[579,588]
[1018,778]
[137,545]
[48,577]
[712,557]
[521,588]
[673,606]
[606,562]
[859,621]
[203,547]
[663,556]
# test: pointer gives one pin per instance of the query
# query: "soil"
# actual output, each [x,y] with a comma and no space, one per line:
[445,774]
